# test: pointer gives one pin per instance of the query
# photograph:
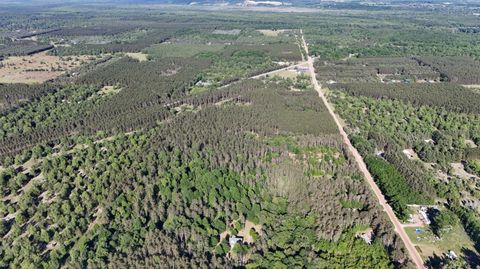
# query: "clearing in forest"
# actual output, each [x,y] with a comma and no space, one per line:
[109,90]
[270,32]
[429,244]
[245,232]
[37,68]
[141,57]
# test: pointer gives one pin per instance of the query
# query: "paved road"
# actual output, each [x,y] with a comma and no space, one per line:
[417,259]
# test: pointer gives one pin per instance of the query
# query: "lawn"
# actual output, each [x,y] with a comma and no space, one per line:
[427,243]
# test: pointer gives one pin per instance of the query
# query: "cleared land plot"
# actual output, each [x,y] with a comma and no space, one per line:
[289,73]
[227,32]
[459,171]
[37,68]
[284,52]
[384,70]
[109,90]
[267,32]
[428,244]
[180,50]
[137,56]
[463,70]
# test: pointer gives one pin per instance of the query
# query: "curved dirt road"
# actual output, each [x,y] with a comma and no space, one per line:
[416,258]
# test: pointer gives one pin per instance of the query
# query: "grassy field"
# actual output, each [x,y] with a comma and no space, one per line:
[138,56]
[428,245]
[286,73]
[267,32]
[180,50]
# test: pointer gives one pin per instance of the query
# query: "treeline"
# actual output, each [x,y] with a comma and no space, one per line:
[14,95]
[394,186]
[277,51]
[470,222]
[10,47]
[443,95]
[137,45]
[462,70]
[96,30]
[417,177]
[373,70]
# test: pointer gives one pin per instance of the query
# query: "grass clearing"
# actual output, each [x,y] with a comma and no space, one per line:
[289,73]
[109,90]
[428,244]
[37,68]
[272,33]
[142,57]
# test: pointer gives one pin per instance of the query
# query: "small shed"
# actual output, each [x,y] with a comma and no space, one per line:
[452,255]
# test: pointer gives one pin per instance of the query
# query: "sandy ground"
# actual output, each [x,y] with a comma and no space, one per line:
[289,73]
[459,170]
[142,57]
[470,143]
[245,232]
[472,86]
[411,154]
[267,32]
[36,68]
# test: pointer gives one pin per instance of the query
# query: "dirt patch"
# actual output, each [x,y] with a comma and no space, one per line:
[472,86]
[245,232]
[47,198]
[170,72]
[411,154]
[470,143]
[99,219]
[37,68]
[109,89]
[222,102]
[141,57]
[289,73]
[227,32]
[272,33]
[223,236]
[459,170]
[10,216]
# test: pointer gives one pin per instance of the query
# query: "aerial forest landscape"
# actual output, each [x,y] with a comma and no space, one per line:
[239,134]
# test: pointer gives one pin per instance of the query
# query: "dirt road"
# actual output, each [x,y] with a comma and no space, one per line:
[416,258]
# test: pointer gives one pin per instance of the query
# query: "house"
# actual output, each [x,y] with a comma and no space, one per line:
[331,82]
[423,212]
[452,255]
[366,235]
[233,240]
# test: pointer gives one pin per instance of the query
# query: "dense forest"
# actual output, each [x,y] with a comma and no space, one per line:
[193,138]
[88,210]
